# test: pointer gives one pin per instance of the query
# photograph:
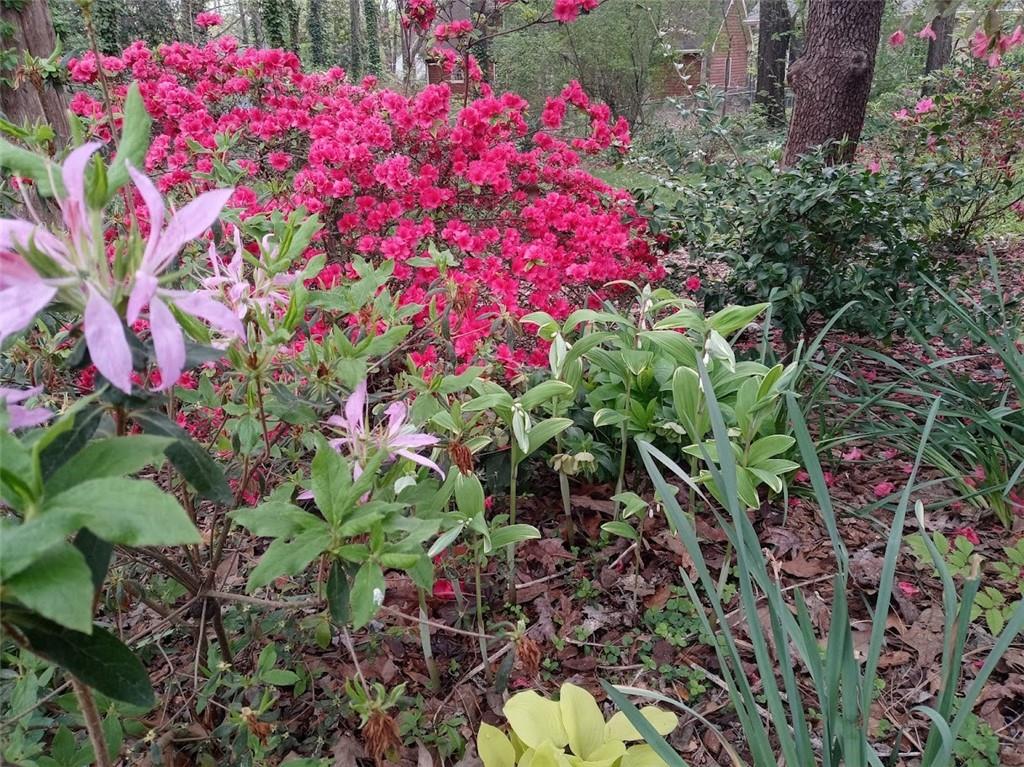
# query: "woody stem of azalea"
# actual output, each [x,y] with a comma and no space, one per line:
[93,724]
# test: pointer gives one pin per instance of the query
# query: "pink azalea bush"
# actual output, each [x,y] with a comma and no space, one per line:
[396,177]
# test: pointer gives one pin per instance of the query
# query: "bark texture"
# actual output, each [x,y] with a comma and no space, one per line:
[941,48]
[773,35]
[832,79]
[33,99]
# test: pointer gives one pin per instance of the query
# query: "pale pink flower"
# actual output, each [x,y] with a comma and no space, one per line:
[927,33]
[901,115]
[979,44]
[907,588]
[897,38]
[19,416]
[874,166]
[243,293]
[396,437]
[854,454]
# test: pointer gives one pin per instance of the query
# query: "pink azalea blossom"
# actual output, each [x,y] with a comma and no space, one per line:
[874,166]
[897,38]
[693,283]
[882,489]
[924,106]
[908,589]
[901,114]
[19,416]
[927,33]
[854,454]
[979,44]
[969,533]
[396,437]
[245,294]
[209,19]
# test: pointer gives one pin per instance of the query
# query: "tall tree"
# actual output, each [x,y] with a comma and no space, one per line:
[832,79]
[371,14]
[27,98]
[941,48]
[774,30]
[272,14]
[355,43]
[189,10]
[315,28]
[292,16]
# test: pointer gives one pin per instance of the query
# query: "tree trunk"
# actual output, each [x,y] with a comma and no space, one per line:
[832,80]
[941,48]
[772,53]
[355,44]
[315,28]
[371,14]
[33,99]
[293,15]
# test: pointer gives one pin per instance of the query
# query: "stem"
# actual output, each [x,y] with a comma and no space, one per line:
[263,414]
[480,614]
[93,724]
[624,437]
[428,650]
[513,477]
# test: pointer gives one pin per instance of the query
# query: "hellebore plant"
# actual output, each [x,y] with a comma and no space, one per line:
[542,729]
[73,268]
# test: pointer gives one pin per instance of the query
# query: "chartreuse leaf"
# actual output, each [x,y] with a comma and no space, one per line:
[582,719]
[97,659]
[536,720]
[641,756]
[494,747]
[546,755]
[620,728]
[126,511]
[57,585]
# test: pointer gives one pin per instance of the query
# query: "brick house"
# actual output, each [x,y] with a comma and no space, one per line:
[714,47]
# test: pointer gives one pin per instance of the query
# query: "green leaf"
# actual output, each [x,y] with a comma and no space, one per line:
[134,139]
[111,457]
[21,162]
[367,588]
[608,417]
[469,494]
[127,511]
[621,529]
[289,557]
[535,720]
[58,586]
[768,447]
[505,536]
[75,429]
[98,659]
[276,519]
[331,482]
[191,460]
[97,553]
[733,318]
[544,431]
[544,392]
[337,592]
[279,677]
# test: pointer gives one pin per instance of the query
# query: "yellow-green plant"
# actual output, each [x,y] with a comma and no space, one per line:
[542,730]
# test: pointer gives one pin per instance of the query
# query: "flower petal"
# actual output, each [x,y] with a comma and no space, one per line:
[168,342]
[200,304]
[421,460]
[73,172]
[187,224]
[108,347]
[355,405]
[142,293]
[396,418]
[19,304]
[155,205]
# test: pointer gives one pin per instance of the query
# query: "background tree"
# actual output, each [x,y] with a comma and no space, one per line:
[832,79]
[292,15]
[27,96]
[371,14]
[272,14]
[773,36]
[315,28]
[941,48]
[355,43]
[189,10]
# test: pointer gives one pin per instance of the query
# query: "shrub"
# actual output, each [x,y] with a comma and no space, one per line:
[966,139]
[482,220]
[808,238]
